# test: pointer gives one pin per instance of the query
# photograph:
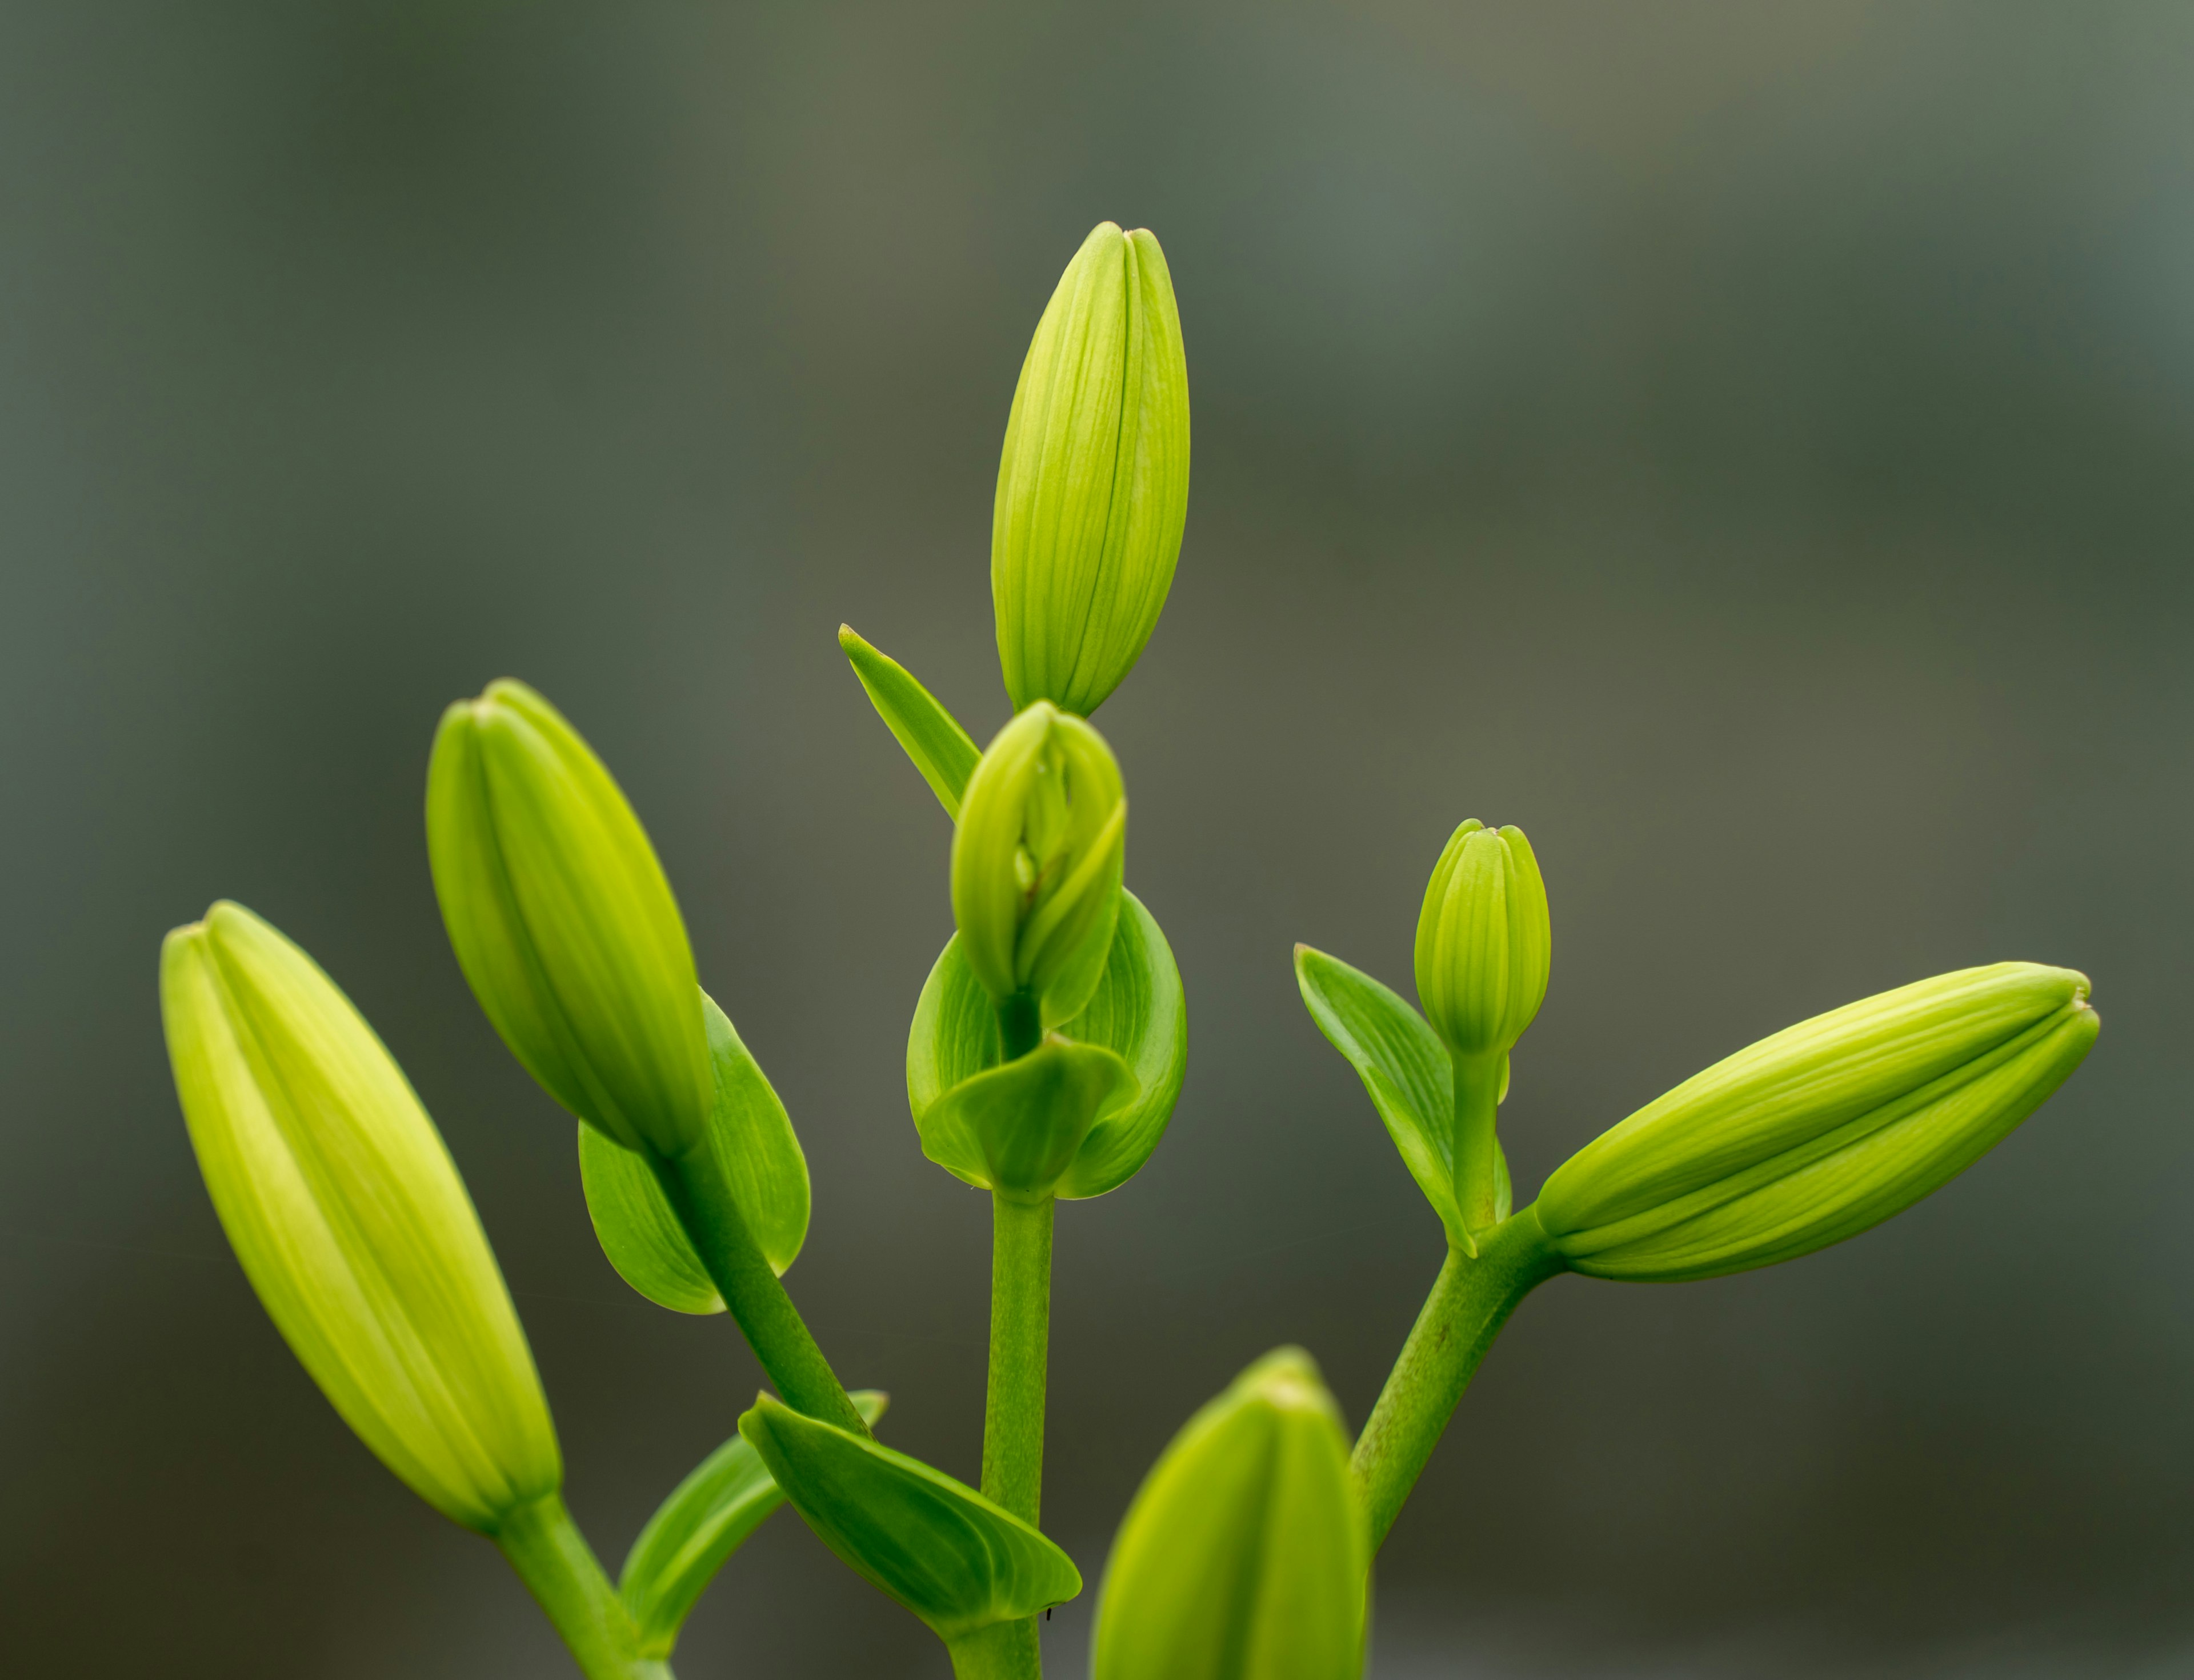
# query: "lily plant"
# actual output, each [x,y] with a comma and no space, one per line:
[1046,1053]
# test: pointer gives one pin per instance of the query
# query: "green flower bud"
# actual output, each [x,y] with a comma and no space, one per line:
[1093,486]
[1037,861]
[1244,1554]
[935,1545]
[1822,1131]
[1483,940]
[351,1221]
[563,922]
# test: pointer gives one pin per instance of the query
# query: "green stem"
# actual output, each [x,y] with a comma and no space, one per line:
[553,1559]
[700,1194]
[1476,1107]
[1020,1026]
[1469,1303]
[1002,1651]
[1021,1336]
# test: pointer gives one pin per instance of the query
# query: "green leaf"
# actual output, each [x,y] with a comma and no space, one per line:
[1017,1128]
[934,1543]
[753,1134]
[1245,1553]
[704,1520]
[1407,1071]
[1138,1010]
[940,749]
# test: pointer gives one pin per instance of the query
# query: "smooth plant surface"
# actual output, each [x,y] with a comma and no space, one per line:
[1045,1057]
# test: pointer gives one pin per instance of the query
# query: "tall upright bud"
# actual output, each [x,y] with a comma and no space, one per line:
[351,1223]
[563,922]
[1092,485]
[1484,947]
[1244,1554]
[1036,861]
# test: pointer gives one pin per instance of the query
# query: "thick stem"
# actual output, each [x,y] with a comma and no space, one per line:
[551,1557]
[1002,1651]
[1020,1337]
[1469,1303]
[1020,1026]
[1477,1105]
[700,1194]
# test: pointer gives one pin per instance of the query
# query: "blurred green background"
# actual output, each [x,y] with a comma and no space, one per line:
[1751,445]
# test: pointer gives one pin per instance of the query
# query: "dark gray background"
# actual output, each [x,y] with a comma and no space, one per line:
[1751,445]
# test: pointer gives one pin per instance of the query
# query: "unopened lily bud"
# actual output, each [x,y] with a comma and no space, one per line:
[563,922]
[1037,861]
[1093,486]
[1244,1554]
[351,1221]
[1484,941]
[1822,1131]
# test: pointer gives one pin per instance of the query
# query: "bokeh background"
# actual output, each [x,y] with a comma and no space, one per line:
[1751,445]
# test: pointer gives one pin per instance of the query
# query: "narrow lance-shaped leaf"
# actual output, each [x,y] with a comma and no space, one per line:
[933,1544]
[763,1162]
[695,1531]
[940,749]
[1406,1072]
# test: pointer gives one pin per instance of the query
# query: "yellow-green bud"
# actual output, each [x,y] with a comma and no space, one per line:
[1822,1131]
[1484,941]
[1037,861]
[1244,1554]
[351,1223]
[1093,486]
[563,922]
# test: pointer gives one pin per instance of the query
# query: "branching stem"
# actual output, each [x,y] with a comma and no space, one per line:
[559,1569]
[1469,1303]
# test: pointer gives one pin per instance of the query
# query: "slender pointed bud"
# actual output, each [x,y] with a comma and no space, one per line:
[1036,861]
[351,1221]
[1093,486]
[1244,1554]
[563,922]
[1822,1131]
[1483,939]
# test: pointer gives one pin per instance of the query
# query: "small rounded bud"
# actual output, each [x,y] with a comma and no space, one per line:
[1036,861]
[1484,941]
[351,1221]
[1244,1554]
[563,922]
[1822,1131]
[1092,485]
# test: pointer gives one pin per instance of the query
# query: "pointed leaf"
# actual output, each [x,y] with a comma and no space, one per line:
[1137,1010]
[697,1529]
[761,1155]
[1407,1071]
[940,749]
[934,1543]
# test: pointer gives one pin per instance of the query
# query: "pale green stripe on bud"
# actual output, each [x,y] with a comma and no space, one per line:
[350,1220]
[1093,482]
[1037,862]
[563,921]
[1484,939]
[1244,1554]
[1824,1130]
